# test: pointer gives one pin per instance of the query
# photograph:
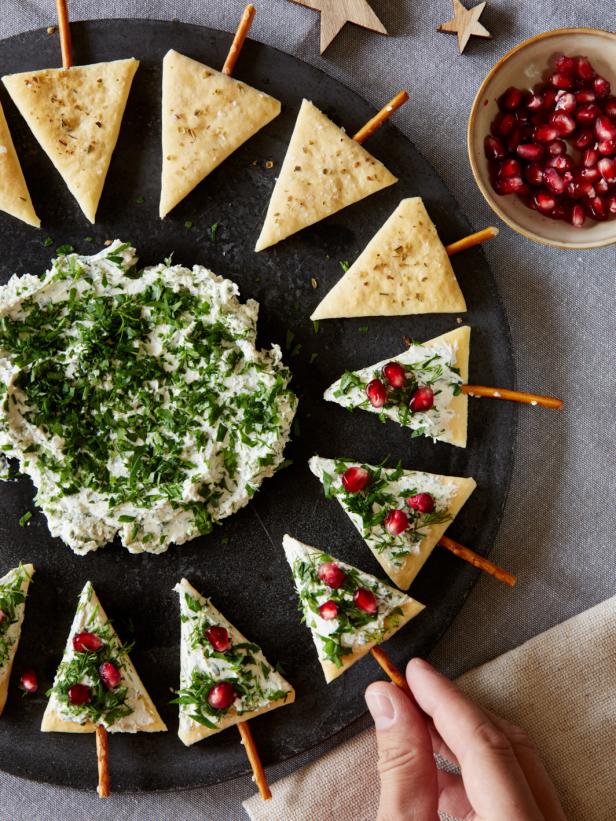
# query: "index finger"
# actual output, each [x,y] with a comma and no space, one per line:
[494,781]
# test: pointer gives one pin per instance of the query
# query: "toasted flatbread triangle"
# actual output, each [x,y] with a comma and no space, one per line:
[15,581]
[448,421]
[75,114]
[404,269]
[269,688]
[449,492]
[323,171]
[14,195]
[91,617]
[206,116]
[395,609]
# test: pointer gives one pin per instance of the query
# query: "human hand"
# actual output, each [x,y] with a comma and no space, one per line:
[502,777]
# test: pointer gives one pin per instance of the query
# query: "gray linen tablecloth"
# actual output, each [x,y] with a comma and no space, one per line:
[558,526]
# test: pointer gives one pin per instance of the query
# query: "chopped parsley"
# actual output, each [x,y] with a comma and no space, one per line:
[12,597]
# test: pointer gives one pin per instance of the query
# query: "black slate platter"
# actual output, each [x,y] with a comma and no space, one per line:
[241,565]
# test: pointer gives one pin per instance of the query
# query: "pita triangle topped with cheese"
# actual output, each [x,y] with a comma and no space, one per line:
[13,591]
[404,269]
[75,114]
[347,611]
[224,678]
[206,116]
[324,170]
[424,506]
[96,682]
[437,369]
[14,195]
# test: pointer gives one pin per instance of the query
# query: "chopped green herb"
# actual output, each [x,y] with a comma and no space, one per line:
[25,518]
[213,231]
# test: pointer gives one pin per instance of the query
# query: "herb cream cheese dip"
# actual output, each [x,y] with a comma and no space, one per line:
[136,400]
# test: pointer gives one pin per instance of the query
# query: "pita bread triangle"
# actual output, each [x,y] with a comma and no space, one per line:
[75,114]
[206,116]
[14,195]
[403,556]
[324,170]
[441,363]
[127,708]
[201,667]
[339,648]
[13,591]
[404,269]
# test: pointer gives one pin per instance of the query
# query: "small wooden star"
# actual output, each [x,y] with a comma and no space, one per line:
[464,23]
[335,13]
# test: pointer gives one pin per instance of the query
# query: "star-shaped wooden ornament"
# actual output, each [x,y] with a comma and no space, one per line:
[335,13]
[465,23]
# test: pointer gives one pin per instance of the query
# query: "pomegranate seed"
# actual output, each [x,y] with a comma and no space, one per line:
[510,99]
[556,147]
[87,642]
[597,207]
[522,116]
[560,163]
[564,64]
[605,129]
[591,174]
[503,124]
[564,123]
[422,502]
[533,101]
[607,147]
[602,186]
[549,98]
[365,600]
[602,87]
[218,637]
[79,694]
[355,479]
[331,575]
[376,393]
[607,169]
[396,522]
[545,202]
[586,114]
[554,181]
[395,374]
[29,681]
[534,173]
[509,185]
[585,96]
[515,138]
[584,69]
[580,188]
[583,138]
[546,133]
[539,117]
[611,204]
[577,216]
[221,696]
[530,151]
[590,157]
[493,148]
[609,107]
[561,80]
[329,610]
[510,168]
[565,101]
[110,675]
[423,398]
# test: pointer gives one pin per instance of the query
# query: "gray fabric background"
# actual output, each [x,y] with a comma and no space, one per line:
[558,525]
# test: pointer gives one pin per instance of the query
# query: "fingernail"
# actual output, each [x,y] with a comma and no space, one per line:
[421,663]
[381,709]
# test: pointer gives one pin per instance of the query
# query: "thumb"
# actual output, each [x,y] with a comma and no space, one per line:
[406,765]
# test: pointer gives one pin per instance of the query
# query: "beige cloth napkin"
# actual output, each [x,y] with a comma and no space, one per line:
[560,686]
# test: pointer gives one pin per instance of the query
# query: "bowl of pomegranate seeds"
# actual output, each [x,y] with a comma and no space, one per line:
[542,138]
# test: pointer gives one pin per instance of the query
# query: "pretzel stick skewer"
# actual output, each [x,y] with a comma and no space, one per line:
[384,114]
[238,41]
[472,240]
[478,561]
[255,762]
[513,396]
[390,668]
[102,756]
[65,33]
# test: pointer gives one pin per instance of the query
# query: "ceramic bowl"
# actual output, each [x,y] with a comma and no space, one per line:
[524,66]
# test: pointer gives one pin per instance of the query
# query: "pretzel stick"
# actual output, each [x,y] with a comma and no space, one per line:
[65,34]
[390,668]
[255,762]
[384,114]
[472,240]
[514,396]
[238,40]
[478,561]
[102,753]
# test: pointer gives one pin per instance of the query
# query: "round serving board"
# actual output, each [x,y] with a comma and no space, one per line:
[241,565]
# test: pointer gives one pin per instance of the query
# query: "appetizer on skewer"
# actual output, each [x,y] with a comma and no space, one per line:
[206,116]
[14,195]
[75,113]
[401,514]
[347,611]
[224,678]
[96,687]
[13,591]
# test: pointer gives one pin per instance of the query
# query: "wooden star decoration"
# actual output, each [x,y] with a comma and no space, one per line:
[465,23]
[335,13]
